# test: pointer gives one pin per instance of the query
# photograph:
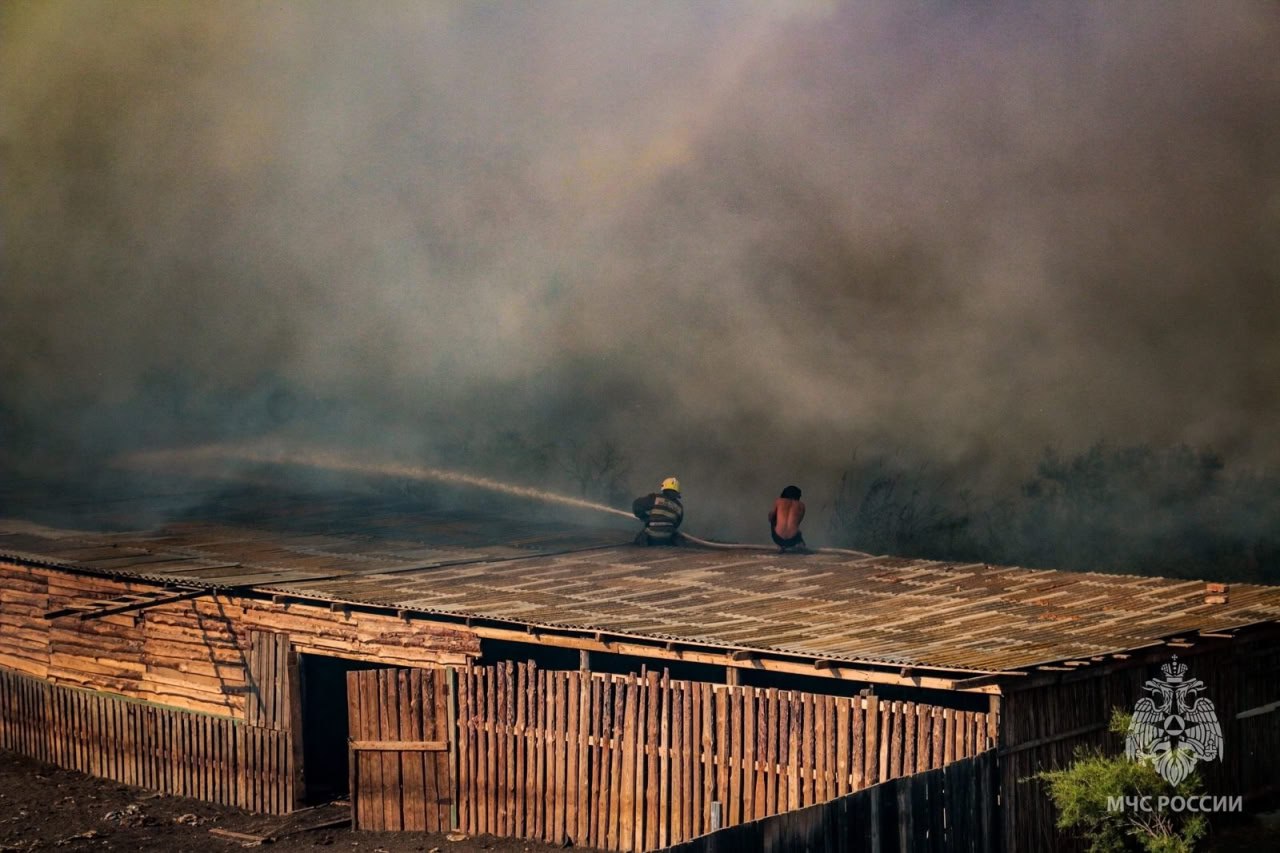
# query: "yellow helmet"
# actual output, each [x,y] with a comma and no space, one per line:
[671,483]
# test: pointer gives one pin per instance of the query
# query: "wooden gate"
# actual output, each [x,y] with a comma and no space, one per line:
[400,760]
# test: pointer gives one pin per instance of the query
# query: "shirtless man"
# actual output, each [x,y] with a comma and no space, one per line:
[785,518]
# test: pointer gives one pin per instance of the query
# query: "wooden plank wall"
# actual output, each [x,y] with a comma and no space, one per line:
[191,654]
[938,811]
[400,740]
[268,700]
[635,762]
[178,752]
[1042,727]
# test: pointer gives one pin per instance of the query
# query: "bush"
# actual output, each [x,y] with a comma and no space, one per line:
[1081,793]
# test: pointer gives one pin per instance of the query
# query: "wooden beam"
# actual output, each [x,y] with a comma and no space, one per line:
[1258,711]
[124,604]
[399,745]
[1054,738]
[731,676]
[987,680]
[843,672]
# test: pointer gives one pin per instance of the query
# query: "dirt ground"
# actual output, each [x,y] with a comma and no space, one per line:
[45,808]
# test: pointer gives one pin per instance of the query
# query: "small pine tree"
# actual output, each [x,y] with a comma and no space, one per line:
[1082,793]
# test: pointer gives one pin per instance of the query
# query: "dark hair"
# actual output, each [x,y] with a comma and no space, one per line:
[791,493]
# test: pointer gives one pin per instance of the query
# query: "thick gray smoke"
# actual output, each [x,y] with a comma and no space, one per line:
[734,241]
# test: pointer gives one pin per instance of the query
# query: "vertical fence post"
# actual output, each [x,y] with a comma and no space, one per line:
[452,710]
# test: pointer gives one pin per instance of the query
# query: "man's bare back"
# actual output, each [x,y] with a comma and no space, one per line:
[786,515]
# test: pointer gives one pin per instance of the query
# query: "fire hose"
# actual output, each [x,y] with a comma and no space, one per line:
[744,546]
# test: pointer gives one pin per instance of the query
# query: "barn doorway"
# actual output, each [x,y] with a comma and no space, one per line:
[324,725]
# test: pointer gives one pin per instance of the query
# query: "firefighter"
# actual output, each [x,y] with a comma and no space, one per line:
[785,518]
[661,512]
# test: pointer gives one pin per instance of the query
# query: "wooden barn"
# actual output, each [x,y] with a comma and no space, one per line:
[542,681]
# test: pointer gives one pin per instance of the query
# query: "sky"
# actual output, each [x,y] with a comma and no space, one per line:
[741,242]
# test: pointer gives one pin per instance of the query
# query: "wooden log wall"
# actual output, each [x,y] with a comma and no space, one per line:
[191,654]
[636,762]
[937,811]
[216,759]
[1043,726]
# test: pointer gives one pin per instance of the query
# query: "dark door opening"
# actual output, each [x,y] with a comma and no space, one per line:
[324,725]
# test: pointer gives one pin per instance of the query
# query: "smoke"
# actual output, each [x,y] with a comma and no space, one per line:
[736,241]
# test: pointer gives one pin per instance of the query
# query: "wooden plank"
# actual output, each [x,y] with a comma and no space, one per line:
[650,746]
[897,722]
[601,720]
[637,745]
[886,735]
[760,752]
[449,768]
[949,741]
[371,768]
[498,723]
[939,733]
[557,803]
[583,799]
[443,726]
[924,738]
[512,782]
[689,762]
[389,729]
[664,805]
[432,773]
[771,752]
[466,762]
[488,686]
[733,804]
[784,746]
[626,805]
[617,739]
[679,763]
[522,688]
[540,744]
[573,778]
[808,781]
[722,748]
[748,753]
[400,745]
[871,719]
[908,738]
[698,748]
[794,751]
[413,776]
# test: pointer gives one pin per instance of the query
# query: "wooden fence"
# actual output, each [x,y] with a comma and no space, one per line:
[638,762]
[953,808]
[187,754]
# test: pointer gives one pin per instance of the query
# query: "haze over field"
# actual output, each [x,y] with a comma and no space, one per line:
[736,241]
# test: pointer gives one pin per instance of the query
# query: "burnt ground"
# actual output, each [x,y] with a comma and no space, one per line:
[43,807]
